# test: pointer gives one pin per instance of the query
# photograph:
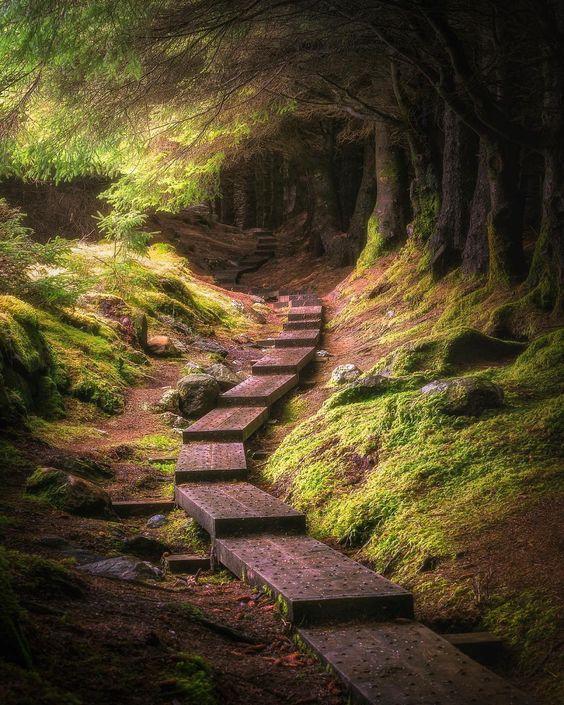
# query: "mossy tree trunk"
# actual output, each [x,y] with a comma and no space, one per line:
[458,180]
[226,212]
[366,198]
[244,195]
[391,210]
[475,254]
[505,220]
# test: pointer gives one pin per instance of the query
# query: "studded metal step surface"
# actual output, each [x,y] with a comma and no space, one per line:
[211,461]
[227,424]
[261,390]
[315,582]
[297,338]
[298,313]
[307,323]
[237,508]
[283,361]
[404,663]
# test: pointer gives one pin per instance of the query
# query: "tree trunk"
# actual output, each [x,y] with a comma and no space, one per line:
[505,220]
[475,255]
[227,206]
[458,180]
[277,177]
[365,200]
[244,196]
[390,211]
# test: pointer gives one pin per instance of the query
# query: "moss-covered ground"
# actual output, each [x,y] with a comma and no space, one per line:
[413,489]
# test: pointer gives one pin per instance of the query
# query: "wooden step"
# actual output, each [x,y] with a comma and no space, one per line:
[316,582]
[211,461]
[227,424]
[186,563]
[383,663]
[261,390]
[283,361]
[297,338]
[142,507]
[307,323]
[237,508]
[301,312]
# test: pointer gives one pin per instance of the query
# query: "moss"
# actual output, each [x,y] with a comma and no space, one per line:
[42,576]
[375,246]
[425,220]
[159,442]
[13,643]
[181,532]
[191,683]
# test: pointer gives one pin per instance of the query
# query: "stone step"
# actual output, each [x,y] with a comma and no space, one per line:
[237,508]
[388,663]
[297,338]
[300,312]
[280,305]
[211,461]
[307,323]
[261,390]
[186,563]
[227,424]
[484,647]
[316,582]
[283,361]
[141,507]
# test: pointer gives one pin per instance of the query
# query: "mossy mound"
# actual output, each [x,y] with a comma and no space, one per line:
[446,354]
[69,493]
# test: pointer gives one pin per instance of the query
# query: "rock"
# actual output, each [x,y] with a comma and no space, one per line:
[156,521]
[161,346]
[257,315]
[123,568]
[258,299]
[82,466]
[210,346]
[169,401]
[363,388]
[342,374]
[225,377]
[69,493]
[322,354]
[140,329]
[238,305]
[145,547]
[466,396]
[81,555]
[191,368]
[197,394]
[173,420]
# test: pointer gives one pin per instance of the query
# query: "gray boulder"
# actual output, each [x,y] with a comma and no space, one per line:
[226,378]
[197,394]
[344,374]
[83,466]
[466,396]
[169,401]
[123,568]
[156,521]
[210,346]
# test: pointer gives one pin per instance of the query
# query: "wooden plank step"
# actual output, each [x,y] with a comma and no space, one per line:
[237,508]
[211,461]
[297,338]
[186,563]
[301,325]
[234,423]
[404,663]
[141,507]
[301,312]
[316,582]
[283,361]
[261,390]
[484,647]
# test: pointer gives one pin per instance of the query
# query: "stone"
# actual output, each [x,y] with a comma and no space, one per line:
[226,378]
[210,346]
[156,521]
[191,368]
[123,568]
[161,346]
[198,394]
[169,401]
[343,374]
[322,354]
[145,547]
[466,396]
[69,493]
[173,420]
[82,466]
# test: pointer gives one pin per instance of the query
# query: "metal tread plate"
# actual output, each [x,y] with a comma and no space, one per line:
[261,390]
[405,663]
[283,360]
[297,338]
[225,509]
[230,423]
[212,460]
[316,582]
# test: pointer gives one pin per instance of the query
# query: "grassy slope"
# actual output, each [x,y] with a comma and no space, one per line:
[413,490]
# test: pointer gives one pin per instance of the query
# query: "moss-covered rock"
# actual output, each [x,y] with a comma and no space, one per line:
[466,396]
[69,493]
[197,394]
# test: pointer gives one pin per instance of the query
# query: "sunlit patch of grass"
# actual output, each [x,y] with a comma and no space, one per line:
[159,442]
[57,433]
